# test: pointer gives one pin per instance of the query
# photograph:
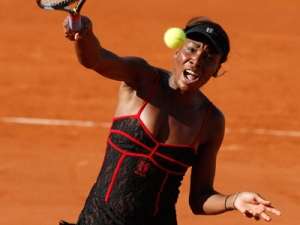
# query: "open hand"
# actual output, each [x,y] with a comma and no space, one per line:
[253,205]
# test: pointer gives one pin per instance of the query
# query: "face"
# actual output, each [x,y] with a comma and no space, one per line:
[195,63]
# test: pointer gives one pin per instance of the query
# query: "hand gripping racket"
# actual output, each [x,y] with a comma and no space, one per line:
[74,18]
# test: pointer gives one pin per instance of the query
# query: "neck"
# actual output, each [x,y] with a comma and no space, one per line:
[188,97]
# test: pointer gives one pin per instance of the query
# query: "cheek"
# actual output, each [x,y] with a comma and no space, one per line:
[178,62]
[212,69]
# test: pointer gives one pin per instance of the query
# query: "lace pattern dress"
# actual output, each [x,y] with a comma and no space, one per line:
[140,177]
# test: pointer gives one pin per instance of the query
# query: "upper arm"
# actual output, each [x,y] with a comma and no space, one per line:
[203,171]
[131,70]
[92,55]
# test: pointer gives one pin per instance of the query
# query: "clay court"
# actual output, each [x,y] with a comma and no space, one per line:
[55,114]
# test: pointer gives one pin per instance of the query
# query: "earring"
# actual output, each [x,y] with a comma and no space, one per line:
[219,75]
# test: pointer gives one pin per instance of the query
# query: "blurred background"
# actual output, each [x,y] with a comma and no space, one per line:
[55,114]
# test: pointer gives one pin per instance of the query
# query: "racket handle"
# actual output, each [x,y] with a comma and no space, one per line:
[75,22]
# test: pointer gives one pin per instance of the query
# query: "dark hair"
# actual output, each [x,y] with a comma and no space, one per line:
[222,35]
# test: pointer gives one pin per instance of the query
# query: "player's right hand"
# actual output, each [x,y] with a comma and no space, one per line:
[86,25]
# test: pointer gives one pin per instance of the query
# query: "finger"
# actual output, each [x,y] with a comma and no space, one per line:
[261,200]
[265,217]
[273,210]
[77,37]
[248,214]
[66,23]
[67,31]
[69,36]
[256,217]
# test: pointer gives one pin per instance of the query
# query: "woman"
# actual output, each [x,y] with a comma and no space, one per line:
[163,124]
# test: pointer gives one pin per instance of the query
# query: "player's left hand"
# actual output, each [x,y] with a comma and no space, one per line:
[253,205]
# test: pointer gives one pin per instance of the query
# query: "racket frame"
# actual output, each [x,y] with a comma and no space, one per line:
[74,17]
[63,6]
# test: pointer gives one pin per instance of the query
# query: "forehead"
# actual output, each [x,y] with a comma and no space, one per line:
[204,43]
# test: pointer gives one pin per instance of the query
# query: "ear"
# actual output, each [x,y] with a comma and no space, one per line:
[176,54]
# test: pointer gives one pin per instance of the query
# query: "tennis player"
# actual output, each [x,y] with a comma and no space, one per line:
[163,124]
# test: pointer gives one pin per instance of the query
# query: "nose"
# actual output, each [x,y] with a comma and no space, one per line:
[196,59]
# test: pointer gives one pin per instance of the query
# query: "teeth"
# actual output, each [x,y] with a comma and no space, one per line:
[191,72]
[191,75]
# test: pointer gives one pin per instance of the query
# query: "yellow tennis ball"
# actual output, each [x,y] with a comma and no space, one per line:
[174,37]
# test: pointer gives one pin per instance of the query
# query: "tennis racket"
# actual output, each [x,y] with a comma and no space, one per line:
[74,18]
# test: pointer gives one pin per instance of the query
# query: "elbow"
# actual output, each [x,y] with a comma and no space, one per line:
[196,206]
[196,211]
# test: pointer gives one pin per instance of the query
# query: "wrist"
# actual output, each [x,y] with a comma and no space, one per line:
[234,199]
[228,206]
[229,202]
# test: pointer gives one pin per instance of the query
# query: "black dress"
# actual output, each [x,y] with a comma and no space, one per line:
[140,177]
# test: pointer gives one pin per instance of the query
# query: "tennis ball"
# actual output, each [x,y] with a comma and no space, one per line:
[174,37]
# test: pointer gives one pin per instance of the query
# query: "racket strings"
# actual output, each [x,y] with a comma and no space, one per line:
[57,3]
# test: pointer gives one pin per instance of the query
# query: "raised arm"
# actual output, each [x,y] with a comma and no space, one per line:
[92,55]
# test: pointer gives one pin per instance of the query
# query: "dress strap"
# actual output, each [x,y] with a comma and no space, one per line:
[150,95]
[203,124]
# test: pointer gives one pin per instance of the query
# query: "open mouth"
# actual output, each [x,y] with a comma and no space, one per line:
[190,76]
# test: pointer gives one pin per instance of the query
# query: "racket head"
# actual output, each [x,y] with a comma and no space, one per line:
[79,6]
[55,4]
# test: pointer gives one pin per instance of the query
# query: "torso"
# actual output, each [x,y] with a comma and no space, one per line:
[145,160]
[165,111]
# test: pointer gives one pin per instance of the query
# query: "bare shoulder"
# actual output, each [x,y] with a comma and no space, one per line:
[139,72]
[139,80]
[216,127]
[135,90]
[217,116]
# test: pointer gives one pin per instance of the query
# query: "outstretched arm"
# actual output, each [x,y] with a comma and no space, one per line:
[204,199]
[251,205]
[92,55]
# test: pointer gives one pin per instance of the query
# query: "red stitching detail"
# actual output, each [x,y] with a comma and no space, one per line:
[114,178]
[159,193]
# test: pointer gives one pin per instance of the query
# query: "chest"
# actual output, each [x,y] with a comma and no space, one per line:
[166,119]
[174,125]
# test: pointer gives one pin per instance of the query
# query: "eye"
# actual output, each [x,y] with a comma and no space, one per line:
[209,58]
[192,50]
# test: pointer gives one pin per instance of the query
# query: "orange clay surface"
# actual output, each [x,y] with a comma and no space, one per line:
[46,171]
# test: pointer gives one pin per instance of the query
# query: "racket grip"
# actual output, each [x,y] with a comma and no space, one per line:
[75,22]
